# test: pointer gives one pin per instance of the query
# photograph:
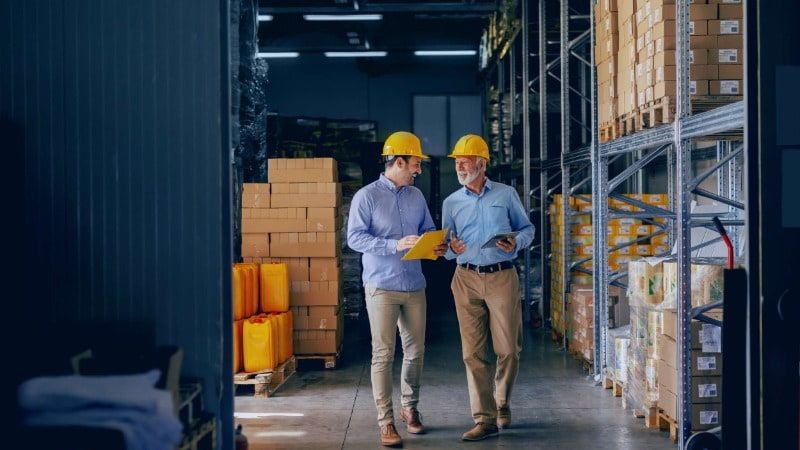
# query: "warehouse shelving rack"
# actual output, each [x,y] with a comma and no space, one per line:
[673,142]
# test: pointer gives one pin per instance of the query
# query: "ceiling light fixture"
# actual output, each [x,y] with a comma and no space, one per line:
[445,52]
[264,17]
[341,17]
[277,54]
[354,54]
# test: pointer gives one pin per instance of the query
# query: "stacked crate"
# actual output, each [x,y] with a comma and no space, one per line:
[706,371]
[606,49]
[652,369]
[581,245]
[301,227]
[646,60]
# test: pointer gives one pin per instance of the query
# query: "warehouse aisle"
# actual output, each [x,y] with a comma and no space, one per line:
[554,404]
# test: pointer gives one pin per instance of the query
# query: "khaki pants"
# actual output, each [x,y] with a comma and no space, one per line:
[489,299]
[387,311]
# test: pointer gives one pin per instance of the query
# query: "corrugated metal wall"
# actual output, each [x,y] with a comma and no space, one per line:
[118,107]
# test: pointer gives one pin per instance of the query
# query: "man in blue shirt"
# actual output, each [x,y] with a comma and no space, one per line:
[486,285]
[386,219]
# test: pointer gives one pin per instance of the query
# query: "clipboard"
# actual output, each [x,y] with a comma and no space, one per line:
[492,243]
[423,249]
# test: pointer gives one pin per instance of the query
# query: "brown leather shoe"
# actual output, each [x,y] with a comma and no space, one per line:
[480,431]
[389,436]
[504,418]
[412,419]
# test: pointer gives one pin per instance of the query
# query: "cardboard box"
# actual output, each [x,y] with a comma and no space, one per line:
[323,219]
[255,245]
[308,293]
[698,27]
[302,170]
[731,11]
[725,87]
[324,269]
[307,195]
[706,389]
[315,317]
[318,342]
[255,199]
[275,220]
[706,364]
[255,188]
[706,337]
[298,267]
[696,72]
[722,27]
[700,42]
[730,41]
[725,56]
[702,12]
[668,401]
[670,325]
[731,72]
[625,10]
[668,348]
[297,245]
[706,416]
[667,375]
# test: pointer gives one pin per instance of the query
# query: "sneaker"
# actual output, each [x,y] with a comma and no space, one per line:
[480,431]
[389,436]
[412,419]
[504,417]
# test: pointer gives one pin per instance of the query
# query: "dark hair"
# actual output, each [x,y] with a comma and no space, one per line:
[389,160]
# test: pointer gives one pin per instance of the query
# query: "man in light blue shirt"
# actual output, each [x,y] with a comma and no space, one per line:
[486,285]
[386,219]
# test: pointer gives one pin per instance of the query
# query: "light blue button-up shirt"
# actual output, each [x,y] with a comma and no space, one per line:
[477,218]
[380,215]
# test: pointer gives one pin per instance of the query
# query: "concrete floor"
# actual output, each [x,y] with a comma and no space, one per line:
[554,406]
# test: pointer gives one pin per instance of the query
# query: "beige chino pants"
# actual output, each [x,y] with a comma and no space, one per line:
[486,302]
[388,311]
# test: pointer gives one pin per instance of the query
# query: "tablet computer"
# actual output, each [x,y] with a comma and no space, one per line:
[492,243]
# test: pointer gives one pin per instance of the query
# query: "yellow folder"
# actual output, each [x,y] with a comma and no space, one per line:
[423,249]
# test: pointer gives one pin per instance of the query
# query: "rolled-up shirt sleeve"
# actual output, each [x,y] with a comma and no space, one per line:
[358,225]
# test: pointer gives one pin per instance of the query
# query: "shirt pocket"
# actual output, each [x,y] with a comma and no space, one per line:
[498,218]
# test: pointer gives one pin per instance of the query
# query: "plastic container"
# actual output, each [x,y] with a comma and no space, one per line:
[237,345]
[251,304]
[239,287]
[259,344]
[274,287]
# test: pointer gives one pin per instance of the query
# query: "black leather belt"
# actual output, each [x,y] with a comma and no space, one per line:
[492,268]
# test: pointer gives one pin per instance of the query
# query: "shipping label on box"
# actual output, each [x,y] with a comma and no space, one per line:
[721,27]
[325,269]
[706,364]
[298,267]
[310,195]
[298,245]
[725,87]
[706,389]
[255,245]
[302,170]
[724,56]
[706,416]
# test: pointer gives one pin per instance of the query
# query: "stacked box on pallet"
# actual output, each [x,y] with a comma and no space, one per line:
[619,340]
[303,227]
[580,329]
[706,371]
[606,49]
[627,59]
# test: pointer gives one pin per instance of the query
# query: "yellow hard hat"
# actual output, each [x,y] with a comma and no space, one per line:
[470,145]
[403,143]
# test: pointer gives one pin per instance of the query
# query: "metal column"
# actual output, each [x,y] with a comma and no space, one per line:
[565,146]
[526,148]
[544,229]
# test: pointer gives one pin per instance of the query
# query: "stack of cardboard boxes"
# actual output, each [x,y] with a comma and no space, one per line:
[706,371]
[299,223]
[606,50]
[580,327]
[646,57]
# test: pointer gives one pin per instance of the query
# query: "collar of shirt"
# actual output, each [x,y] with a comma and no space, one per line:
[486,186]
[389,184]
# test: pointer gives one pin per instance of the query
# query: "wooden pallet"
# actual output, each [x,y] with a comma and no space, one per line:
[650,416]
[266,382]
[614,385]
[701,103]
[657,112]
[330,360]
[609,131]
[667,423]
[628,123]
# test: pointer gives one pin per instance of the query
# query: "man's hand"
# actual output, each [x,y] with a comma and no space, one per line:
[507,245]
[458,246]
[406,242]
[440,249]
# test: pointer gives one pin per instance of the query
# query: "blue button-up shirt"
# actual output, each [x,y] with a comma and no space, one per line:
[380,215]
[477,218]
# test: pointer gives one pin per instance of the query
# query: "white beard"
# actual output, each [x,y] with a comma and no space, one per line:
[465,178]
